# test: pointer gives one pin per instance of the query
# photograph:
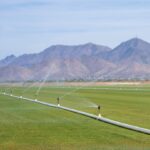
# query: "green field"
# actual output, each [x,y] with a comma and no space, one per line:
[29,126]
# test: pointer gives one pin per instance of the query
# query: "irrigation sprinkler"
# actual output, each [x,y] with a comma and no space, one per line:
[106,120]
[58,101]
[99,114]
[11,91]
[4,91]
[36,97]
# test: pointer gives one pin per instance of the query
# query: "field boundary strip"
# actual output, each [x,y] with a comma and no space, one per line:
[103,88]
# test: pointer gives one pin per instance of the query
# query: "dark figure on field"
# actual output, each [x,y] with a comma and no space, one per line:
[99,107]
[58,101]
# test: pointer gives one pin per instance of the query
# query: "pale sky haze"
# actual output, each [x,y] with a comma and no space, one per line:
[29,26]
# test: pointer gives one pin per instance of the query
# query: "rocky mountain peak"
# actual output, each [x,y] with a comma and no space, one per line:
[69,62]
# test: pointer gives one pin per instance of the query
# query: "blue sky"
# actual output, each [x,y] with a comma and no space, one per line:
[28,26]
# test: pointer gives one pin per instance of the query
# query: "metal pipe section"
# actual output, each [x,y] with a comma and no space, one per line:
[103,119]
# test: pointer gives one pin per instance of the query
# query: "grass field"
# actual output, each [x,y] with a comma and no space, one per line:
[29,126]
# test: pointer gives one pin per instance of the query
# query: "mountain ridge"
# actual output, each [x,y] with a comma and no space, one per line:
[129,60]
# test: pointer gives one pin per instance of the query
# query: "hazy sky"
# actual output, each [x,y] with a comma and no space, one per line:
[28,26]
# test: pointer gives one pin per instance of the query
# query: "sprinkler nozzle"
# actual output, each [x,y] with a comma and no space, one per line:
[36,96]
[99,114]
[58,101]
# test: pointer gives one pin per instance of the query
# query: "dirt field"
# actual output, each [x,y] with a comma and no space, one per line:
[111,83]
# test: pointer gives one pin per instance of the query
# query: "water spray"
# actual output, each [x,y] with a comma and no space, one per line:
[43,82]
[11,92]
[36,96]
[4,91]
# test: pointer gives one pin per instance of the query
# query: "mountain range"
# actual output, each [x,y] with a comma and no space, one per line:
[129,60]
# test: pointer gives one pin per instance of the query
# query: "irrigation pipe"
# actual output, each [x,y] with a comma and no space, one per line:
[103,119]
